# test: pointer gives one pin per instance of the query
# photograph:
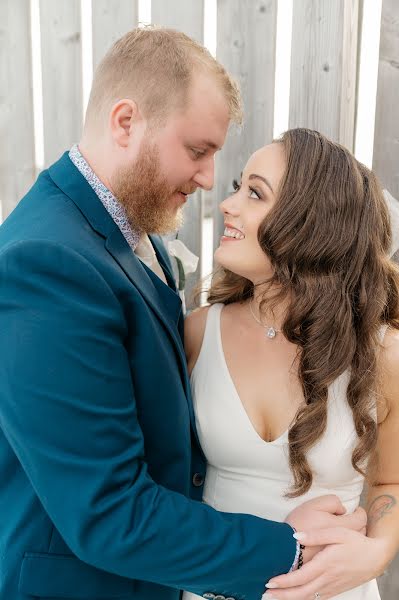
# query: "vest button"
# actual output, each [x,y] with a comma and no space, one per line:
[198,479]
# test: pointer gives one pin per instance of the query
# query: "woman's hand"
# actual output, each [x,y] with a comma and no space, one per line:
[325,512]
[348,560]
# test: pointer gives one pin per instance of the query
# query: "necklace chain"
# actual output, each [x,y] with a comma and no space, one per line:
[271,331]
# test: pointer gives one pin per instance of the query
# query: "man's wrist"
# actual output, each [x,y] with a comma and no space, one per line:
[295,564]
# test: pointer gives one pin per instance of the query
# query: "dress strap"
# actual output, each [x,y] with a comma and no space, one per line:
[210,339]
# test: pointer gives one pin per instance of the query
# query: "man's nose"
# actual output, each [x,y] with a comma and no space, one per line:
[205,177]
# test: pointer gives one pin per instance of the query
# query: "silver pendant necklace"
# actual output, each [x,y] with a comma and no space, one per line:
[270,331]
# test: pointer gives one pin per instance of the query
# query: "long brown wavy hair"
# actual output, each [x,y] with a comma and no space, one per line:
[328,237]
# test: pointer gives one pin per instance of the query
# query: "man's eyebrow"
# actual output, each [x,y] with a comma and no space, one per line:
[266,181]
[211,145]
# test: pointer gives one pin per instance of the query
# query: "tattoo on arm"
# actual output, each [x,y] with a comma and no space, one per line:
[380,506]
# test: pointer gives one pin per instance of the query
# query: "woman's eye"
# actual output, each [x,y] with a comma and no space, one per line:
[254,194]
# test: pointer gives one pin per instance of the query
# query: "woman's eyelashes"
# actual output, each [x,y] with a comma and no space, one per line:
[253,193]
[236,186]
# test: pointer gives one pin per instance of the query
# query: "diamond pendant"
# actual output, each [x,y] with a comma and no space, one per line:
[271,332]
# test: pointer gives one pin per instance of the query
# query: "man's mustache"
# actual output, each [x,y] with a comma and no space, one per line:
[188,191]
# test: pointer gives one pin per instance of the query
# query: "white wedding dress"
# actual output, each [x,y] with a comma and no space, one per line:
[245,474]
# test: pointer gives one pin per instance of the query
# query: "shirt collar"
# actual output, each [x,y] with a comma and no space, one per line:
[111,204]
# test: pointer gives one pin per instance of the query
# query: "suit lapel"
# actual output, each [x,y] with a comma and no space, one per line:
[163,300]
[163,259]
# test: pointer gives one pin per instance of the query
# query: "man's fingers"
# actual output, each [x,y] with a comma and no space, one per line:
[356,521]
[308,572]
[325,537]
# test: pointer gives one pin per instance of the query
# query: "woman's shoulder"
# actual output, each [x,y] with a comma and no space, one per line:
[390,350]
[194,329]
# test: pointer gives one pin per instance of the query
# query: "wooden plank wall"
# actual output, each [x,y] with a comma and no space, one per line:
[61,75]
[110,20]
[323,87]
[323,67]
[17,158]
[246,43]
[386,136]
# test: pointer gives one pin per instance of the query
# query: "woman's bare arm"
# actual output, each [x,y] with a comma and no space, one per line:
[383,496]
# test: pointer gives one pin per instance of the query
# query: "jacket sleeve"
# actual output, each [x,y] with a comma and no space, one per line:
[68,411]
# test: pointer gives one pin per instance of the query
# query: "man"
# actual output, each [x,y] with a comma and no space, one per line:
[98,449]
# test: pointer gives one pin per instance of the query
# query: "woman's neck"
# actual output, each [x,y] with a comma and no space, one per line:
[272,311]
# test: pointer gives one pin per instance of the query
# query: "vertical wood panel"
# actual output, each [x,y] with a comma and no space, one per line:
[246,42]
[386,136]
[323,67]
[111,19]
[62,76]
[17,161]
[188,17]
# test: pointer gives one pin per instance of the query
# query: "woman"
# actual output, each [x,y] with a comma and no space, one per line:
[294,366]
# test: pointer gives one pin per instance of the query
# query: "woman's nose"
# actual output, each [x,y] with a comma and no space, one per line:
[230,205]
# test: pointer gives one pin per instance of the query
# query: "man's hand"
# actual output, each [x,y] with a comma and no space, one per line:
[347,560]
[325,512]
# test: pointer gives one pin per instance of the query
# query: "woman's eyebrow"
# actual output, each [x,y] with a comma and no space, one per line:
[266,181]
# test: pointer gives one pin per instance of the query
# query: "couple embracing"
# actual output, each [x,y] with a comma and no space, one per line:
[224,456]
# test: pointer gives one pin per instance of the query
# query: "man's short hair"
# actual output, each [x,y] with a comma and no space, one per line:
[154,66]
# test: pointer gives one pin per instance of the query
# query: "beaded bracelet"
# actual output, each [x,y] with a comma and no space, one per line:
[300,558]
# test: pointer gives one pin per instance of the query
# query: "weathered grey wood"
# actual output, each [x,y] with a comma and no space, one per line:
[246,41]
[386,136]
[111,19]
[187,16]
[386,164]
[323,67]
[62,75]
[393,207]
[17,160]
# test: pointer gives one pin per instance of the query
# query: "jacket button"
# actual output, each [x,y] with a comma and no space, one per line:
[209,596]
[198,479]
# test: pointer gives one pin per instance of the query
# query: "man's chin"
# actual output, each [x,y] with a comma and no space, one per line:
[169,226]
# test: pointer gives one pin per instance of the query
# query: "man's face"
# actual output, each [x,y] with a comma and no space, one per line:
[174,160]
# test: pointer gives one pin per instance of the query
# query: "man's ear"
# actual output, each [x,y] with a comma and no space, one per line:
[124,116]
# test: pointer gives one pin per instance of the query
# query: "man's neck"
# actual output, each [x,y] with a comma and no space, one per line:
[96,163]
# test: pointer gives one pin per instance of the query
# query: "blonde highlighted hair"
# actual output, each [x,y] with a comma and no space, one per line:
[154,67]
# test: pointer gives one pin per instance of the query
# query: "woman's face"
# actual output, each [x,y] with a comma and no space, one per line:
[239,250]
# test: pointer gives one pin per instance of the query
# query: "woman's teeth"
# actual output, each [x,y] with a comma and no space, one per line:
[233,233]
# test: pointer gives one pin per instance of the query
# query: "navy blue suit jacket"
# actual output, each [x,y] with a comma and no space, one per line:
[98,448]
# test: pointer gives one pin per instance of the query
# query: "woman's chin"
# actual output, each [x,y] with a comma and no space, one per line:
[222,261]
